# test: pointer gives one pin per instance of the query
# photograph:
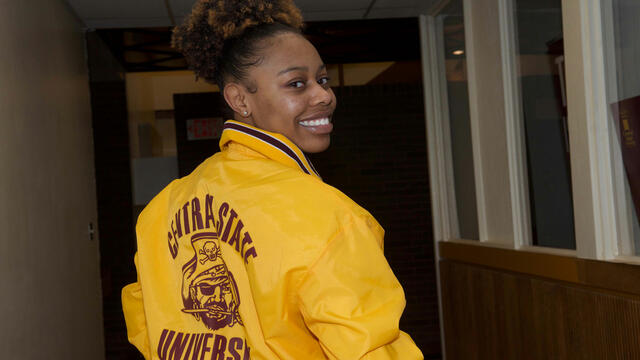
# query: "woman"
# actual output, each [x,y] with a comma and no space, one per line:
[252,255]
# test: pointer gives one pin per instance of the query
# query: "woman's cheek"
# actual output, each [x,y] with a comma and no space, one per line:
[291,107]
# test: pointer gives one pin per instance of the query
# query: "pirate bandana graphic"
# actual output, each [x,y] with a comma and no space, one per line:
[209,291]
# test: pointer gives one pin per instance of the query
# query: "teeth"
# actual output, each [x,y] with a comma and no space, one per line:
[319,122]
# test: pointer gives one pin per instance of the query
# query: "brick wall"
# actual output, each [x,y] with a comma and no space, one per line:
[378,158]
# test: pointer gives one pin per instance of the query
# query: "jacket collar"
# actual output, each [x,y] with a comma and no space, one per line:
[272,145]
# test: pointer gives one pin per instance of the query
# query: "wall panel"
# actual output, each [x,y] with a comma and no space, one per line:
[493,314]
[49,274]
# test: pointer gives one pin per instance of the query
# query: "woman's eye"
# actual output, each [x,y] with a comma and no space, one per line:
[323,80]
[297,84]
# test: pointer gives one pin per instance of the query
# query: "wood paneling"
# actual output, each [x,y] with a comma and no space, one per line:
[604,275]
[496,314]
[563,268]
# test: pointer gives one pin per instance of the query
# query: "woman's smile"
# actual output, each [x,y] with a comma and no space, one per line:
[320,124]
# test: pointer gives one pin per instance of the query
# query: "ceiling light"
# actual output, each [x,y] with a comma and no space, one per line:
[458,52]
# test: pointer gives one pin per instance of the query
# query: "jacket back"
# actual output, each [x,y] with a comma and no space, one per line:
[253,256]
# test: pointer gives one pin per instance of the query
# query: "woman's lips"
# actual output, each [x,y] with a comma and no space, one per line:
[318,126]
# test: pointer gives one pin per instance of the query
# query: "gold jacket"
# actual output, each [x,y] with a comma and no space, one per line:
[252,256]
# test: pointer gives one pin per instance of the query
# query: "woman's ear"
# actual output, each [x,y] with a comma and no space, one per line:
[235,95]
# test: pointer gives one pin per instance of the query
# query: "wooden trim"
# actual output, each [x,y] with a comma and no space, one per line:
[610,276]
[561,268]
[605,275]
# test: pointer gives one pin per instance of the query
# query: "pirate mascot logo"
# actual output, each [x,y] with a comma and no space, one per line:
[209,291]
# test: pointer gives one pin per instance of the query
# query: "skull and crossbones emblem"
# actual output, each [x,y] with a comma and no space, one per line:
[210,250]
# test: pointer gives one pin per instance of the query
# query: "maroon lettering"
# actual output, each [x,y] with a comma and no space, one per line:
[251,252]
[205,345]
[174,231]
[232,216]
[196,218]
[178,346]
[163,337]
[173,246]
[246,240]
[197,346]
[208,206]
[188,352]
[235,238]
[166,342]
[185,215]
[175,345]
[235,344]
[247,353]
[178,226]
[219,345]
[222,212]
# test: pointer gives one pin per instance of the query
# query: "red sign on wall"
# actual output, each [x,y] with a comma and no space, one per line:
[204,128]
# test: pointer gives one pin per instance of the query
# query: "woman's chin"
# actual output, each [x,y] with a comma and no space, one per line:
[319,144]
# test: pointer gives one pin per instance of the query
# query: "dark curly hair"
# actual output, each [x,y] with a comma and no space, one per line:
[220,39]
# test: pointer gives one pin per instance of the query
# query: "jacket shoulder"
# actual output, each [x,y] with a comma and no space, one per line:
[296,200]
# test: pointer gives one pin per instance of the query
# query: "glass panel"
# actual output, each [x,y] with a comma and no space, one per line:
[622,56]
[452,51]
[541,75]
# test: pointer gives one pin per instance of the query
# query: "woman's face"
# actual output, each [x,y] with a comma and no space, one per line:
[292,94]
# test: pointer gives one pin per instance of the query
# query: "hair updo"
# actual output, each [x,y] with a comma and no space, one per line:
[220,38]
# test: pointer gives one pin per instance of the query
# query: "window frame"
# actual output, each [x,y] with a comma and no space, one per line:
[599,229]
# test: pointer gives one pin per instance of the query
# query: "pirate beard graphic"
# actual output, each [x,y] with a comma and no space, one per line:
[209,291]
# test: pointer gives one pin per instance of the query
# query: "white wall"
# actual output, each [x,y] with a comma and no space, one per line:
[50,300]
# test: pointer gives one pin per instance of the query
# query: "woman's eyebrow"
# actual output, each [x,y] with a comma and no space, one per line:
[293,68]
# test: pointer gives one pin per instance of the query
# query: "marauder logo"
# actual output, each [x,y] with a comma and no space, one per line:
[209,291]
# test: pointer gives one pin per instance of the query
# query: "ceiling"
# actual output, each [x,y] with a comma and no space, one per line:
[101,14]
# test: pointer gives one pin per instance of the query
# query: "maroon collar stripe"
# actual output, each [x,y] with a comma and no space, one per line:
[311,165]
[266,138]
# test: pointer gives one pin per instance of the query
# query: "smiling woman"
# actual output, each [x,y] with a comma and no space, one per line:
[289,93]
[252,255]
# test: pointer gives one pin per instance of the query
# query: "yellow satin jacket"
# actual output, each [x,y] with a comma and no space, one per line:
[252,256]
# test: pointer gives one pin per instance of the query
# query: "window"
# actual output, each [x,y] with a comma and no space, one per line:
[553,92]
[540,56]
[622,77]
[455,105]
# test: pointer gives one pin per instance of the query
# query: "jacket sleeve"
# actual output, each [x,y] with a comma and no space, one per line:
[134,316]
[351,300]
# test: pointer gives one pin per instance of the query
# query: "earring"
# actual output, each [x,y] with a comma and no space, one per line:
[245,113]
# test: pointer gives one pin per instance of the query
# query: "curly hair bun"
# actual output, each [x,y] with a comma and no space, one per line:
[203,34]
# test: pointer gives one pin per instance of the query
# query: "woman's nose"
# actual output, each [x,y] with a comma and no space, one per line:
[322,95]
